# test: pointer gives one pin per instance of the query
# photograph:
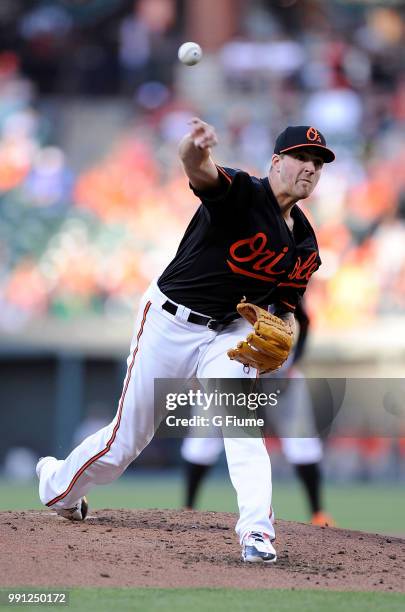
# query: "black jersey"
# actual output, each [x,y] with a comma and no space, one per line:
[239,245]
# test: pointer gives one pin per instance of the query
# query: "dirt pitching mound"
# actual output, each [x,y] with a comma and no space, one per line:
[172,548]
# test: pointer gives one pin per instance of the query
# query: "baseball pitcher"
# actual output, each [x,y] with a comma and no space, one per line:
[248,245]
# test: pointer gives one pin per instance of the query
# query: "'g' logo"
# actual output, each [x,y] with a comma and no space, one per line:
[312,135]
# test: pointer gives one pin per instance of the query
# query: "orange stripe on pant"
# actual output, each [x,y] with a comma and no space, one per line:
[114,433]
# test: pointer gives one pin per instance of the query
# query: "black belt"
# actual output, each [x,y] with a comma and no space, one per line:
[193,317]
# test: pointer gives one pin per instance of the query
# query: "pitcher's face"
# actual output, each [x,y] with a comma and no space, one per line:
[299,172]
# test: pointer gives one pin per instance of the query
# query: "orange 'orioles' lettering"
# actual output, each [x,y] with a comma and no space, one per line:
[264,259]
[260,259]
[303,270]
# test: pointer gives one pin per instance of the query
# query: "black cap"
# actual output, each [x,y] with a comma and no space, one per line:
[303,136]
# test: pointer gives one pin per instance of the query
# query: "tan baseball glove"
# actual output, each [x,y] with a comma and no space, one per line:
[267,348]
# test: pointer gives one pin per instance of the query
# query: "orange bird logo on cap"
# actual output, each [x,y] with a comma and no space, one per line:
[313,136]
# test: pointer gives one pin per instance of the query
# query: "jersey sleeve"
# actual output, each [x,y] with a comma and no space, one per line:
[286,299]
[303,320]
[234,189]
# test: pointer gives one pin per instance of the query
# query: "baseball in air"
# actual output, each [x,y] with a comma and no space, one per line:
[190,53]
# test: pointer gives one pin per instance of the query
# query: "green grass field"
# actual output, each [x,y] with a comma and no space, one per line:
[223,600]
[367,507]
[378,509]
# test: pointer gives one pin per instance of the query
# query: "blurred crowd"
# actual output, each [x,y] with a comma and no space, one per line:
[89,241]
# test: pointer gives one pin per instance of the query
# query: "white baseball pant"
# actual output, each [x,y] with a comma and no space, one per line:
[165,346]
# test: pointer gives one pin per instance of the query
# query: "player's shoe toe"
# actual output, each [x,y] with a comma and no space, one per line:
[79,510]
[257,548]
[77,513]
